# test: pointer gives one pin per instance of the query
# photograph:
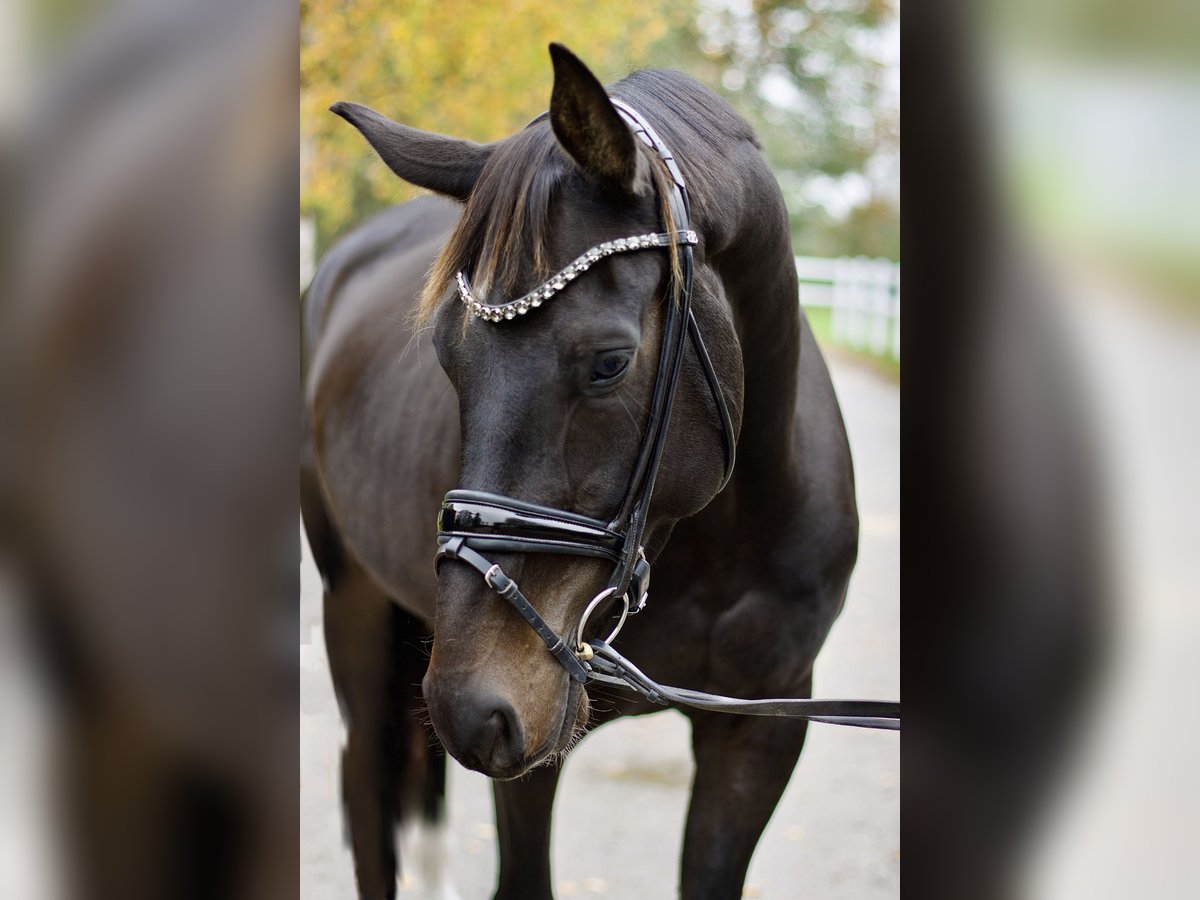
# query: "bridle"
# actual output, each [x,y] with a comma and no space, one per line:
[474,523]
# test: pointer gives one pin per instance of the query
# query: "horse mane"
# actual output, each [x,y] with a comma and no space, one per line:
[507,216]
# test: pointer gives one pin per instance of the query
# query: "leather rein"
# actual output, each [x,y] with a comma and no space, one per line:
[473,524]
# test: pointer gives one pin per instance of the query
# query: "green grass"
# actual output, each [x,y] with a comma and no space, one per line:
[820,319]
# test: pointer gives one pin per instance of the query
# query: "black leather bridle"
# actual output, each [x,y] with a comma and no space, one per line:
[472,524]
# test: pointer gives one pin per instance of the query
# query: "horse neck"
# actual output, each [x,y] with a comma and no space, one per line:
[758,274]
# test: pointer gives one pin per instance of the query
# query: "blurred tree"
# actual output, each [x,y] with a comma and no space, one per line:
[474,70]
[820,83]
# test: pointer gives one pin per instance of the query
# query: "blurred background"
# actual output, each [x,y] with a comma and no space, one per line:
[819,81]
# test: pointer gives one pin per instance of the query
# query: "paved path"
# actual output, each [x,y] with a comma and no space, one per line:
[836,833]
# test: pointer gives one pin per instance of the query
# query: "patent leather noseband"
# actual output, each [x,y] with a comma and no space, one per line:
[474,524]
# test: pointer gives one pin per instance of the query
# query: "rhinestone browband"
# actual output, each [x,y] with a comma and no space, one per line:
[544,292]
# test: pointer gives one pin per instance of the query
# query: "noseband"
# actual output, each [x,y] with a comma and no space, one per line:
[472,524]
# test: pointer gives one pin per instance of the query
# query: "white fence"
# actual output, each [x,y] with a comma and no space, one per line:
[308,250]
[863,297]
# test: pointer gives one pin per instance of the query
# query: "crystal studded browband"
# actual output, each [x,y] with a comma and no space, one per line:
[556,283]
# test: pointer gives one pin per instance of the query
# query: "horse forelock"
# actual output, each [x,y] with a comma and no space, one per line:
[506,221]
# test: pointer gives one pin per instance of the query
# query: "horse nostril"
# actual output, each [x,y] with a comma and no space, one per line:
[492,733]
[500,740]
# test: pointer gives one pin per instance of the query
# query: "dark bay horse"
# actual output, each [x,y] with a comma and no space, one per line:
[407,396]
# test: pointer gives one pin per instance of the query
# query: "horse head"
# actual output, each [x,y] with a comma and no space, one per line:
[555,399]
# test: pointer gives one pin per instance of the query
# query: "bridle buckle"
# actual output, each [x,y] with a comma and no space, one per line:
[487,576]
[639,582]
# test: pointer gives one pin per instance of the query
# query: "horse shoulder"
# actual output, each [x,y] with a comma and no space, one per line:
[381,414]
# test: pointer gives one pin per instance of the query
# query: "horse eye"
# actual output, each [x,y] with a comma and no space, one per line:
[609,367]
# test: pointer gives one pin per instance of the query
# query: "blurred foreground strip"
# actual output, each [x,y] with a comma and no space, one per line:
[147,455]
[1050,748]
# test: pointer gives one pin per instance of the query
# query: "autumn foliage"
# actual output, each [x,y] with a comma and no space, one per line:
[474,70]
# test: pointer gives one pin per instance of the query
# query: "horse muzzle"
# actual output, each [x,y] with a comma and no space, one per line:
[481,724]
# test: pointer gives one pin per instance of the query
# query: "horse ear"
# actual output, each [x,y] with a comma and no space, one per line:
[444,165]
[587,124]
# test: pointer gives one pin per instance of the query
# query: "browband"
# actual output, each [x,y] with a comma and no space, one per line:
[560,280]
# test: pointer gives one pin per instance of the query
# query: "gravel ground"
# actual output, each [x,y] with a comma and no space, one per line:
[836,833]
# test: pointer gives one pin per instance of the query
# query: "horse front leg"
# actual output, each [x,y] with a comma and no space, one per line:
[523,812]
[742,768]
[359,640]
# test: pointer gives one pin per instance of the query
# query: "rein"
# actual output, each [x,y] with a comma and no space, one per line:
[474,523]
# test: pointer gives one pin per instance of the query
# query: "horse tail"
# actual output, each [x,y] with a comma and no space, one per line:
[420,812]
[421,788]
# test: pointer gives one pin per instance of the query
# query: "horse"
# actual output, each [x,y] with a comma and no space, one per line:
[407,394]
